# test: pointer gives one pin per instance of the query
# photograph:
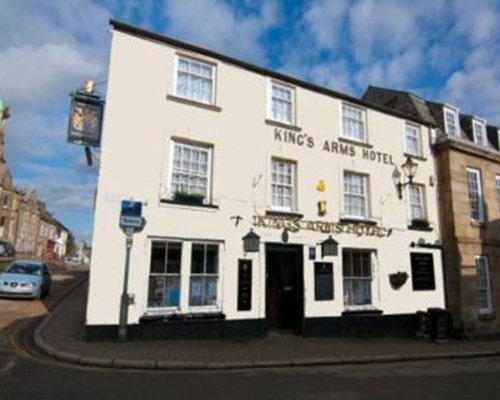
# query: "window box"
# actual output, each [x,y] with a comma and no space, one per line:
[188,198]
[420,224]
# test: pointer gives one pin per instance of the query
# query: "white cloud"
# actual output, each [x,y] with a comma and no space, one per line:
[326,22]
[215,24]
[46,82]
[46,50]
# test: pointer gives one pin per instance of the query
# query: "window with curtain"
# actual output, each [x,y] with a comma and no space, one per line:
[164,274]
[204,275]
[195,80]
[357,277]
[355,195]
[353,123]
[282,103]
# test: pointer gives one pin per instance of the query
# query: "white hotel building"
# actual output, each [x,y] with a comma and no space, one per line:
[216,148]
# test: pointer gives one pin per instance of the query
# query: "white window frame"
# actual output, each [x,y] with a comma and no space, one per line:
[165,309]
[481,124]
[270,98]
[217,275]
[484,283]
[366,189]
[454,111]
[213,78]
[479,190]
[364,120]
[416,129]
[370,279]
[293,185]
[422,204]
[208,149]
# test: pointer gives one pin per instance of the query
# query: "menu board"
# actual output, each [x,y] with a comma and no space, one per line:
[422,271]
[323,281]
[244,285]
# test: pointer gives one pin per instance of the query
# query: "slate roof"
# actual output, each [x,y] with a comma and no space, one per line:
[405,102]
[424,110]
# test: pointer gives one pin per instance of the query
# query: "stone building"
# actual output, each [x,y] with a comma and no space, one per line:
[468,175]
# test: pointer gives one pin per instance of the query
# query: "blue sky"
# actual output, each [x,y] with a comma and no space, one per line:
[443,50]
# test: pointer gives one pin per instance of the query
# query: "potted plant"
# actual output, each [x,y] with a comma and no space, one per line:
[188,198]
[398,279]
[420,224]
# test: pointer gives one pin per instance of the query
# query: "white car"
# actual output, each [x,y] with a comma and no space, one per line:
[25,279]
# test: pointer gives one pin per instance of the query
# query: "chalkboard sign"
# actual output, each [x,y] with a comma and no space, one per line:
[422,271]
[323,281]
[244,285]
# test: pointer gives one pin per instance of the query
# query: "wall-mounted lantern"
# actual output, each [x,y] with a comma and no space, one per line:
[409,168]
[251,242]
[329,247]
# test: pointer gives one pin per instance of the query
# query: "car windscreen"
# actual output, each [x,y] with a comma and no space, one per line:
[27,269]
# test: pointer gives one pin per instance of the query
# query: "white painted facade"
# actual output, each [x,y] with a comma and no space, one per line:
[140,125]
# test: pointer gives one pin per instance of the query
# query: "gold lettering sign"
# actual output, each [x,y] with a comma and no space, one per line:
[296,224]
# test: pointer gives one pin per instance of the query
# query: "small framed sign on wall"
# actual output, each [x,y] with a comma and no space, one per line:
[323,281]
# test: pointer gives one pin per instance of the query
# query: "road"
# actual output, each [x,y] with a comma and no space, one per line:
[22,377]
[25,374]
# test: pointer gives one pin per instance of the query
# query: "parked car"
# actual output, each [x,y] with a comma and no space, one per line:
[72,261]
[25,279]
[7,249]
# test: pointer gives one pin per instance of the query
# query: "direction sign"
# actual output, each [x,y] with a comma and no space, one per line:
[127,221]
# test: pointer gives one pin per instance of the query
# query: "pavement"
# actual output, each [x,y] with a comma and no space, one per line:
[60,336]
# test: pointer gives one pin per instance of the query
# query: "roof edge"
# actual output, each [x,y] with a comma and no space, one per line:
[134,30]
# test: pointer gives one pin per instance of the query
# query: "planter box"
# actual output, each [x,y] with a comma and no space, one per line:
[420,225]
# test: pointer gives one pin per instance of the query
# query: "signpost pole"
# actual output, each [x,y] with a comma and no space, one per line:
[125,301]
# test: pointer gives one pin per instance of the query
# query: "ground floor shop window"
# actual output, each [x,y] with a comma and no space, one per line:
[484,284]
[204,274]
[357,277]
[165,274]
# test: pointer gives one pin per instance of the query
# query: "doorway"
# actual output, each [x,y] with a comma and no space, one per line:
[284,288]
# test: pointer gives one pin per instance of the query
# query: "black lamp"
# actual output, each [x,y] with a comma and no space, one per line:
[251,242]
[409,168]
[329,247]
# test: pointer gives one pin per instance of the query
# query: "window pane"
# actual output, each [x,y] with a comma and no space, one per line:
[212,259]
[158,252]
[174,258]
[197,259]
[164,291]
[196,291]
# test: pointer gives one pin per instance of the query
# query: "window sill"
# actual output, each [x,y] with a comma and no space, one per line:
[194,316]
[368,311]
[351,220]
[355,142]
[283,125]
[195,103]
[415,157]
[486,316]
[477,224]
[189,205]
[420,228]
[287,214]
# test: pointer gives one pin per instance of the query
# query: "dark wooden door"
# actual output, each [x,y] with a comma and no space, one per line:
[284,288]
